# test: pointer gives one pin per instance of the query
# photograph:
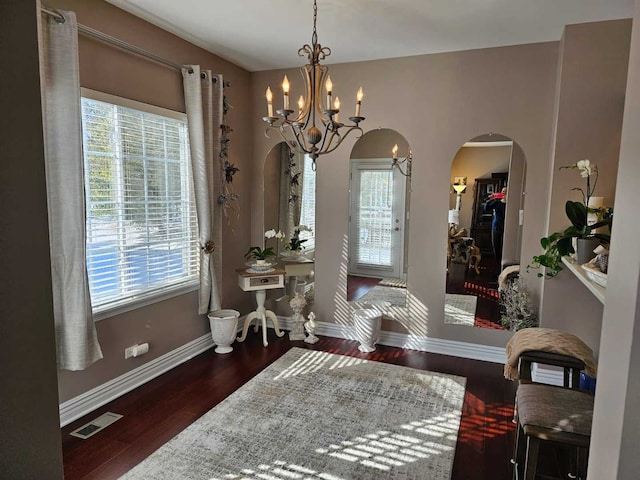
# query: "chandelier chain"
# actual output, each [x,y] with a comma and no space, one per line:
[314,37]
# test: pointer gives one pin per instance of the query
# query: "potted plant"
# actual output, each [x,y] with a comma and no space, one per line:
[295,242]
[293,248]
[262,255]
[560,244]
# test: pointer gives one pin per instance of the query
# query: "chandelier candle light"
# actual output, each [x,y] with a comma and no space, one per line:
[303,133]
[396,162]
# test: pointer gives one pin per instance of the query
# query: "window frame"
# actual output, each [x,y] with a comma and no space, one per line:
[134,302]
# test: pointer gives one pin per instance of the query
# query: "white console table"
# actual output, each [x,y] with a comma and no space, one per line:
[260,283]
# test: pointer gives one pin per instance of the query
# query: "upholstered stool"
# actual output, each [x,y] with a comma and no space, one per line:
[554,414]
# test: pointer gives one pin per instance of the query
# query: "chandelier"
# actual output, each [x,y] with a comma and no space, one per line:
[316,128]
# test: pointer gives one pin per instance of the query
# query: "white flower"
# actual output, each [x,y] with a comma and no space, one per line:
[279,235]
[585,168]
[270,233]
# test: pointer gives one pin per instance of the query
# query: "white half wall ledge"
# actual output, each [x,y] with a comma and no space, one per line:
[87,402]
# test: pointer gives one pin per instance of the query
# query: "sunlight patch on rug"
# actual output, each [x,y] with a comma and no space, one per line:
[460,309]
[315,415]
[396,296]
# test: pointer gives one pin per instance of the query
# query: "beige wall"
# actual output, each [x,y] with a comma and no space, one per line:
[379,144]
[444,101]
[437,102]
[616,422]
[169,324]
[591,82]
[30,446]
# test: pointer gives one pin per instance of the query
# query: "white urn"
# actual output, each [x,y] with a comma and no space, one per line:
[224,327]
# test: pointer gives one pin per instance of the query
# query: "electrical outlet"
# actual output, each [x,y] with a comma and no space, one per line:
[136,350]
[130,352]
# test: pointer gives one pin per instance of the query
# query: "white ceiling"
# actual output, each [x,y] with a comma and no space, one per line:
[266,34]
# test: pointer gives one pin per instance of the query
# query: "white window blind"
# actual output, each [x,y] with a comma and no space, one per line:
[308,207]
[375,217]
[141,219]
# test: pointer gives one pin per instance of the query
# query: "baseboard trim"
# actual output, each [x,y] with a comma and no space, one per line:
[425,344]
[89,401]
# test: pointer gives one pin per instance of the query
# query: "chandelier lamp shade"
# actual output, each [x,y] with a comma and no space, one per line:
[315,128]
[398,162]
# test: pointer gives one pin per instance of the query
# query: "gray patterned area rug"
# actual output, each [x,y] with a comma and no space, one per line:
[460,309]
[396,296]
[314,415]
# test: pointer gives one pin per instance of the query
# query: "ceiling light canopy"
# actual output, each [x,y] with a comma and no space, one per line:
[316,128]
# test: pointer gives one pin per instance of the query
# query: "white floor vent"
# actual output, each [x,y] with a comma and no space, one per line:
[96,425]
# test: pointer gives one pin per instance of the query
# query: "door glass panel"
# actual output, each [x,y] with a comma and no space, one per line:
[375,220]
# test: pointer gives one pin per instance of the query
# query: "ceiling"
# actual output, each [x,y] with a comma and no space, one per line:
[266,34]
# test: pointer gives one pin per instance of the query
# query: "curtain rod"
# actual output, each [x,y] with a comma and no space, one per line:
[112,40]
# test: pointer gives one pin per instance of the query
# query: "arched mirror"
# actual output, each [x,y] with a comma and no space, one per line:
[380,166]
[486,205]
[290,208]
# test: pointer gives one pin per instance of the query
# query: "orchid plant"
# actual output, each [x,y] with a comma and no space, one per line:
[295,242]
[560,244]
[258,253]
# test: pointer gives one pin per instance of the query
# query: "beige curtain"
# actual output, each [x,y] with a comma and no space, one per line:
[290,192]
[76,338]
[203,94]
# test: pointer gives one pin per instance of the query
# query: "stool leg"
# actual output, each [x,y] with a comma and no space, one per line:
[525,369]
[575,378]
[574,460]
[531,463]
[583,457]
[518,451]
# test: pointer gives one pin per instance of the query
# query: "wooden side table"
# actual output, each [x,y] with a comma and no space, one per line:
[260,283]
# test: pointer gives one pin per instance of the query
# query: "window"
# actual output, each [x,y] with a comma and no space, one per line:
[141,221]
[308,207]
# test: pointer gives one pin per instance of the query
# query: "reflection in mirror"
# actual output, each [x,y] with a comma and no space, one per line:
[290,208]
[380,166]
[483,246]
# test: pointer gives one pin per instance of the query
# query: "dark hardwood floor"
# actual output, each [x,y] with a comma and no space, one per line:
[358,286]
[160,409]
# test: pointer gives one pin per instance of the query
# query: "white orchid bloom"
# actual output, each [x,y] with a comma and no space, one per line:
[279,235]
[270,233]
[585,168]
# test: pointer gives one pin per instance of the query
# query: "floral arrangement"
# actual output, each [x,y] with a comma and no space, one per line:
[559,244]
[295,243]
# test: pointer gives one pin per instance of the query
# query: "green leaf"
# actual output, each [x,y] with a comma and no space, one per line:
[577,214]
